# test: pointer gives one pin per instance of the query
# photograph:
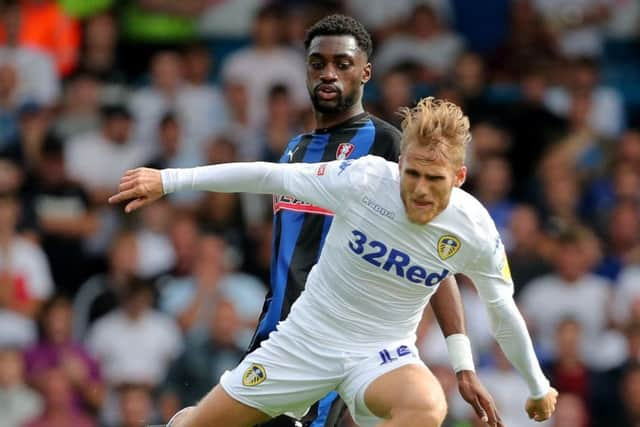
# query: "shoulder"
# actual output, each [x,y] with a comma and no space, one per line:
[386,129]
[369,171]
[386,140]
[472,211]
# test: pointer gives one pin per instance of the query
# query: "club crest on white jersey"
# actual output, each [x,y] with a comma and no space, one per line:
[448,246]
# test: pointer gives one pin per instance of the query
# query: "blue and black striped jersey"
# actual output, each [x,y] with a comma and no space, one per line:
[299,228]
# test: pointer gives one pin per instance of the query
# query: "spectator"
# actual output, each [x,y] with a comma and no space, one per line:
[611,398]
[135,342]
[570,290]
[136,405]
[567,369]
[427,46]
[492,186]
[98,159]
[18,401]
[155,251]
[534,129]
[188,299]
[56,350]
[396,90]
[24,269]
[277,65]
[197,106]
[64,215]
[80,107]
[279,127]
[528,43]
[527,247]
[99,55]
[623,239]
[38,79]
[602,105]
[101,293]
[205,357]
[577,24]
[571,411]
[59,411]
[43,24]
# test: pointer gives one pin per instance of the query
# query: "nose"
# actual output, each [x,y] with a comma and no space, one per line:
[328,74]
[422,188]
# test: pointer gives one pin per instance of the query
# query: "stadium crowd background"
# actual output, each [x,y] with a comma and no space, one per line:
[115,320]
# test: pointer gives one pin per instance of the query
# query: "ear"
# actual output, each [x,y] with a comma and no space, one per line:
[366,73]
[461,176]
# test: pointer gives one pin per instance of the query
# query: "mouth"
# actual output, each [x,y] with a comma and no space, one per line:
[422,204]
[327,92]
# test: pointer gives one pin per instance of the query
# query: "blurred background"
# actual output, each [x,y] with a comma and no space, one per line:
[118,321]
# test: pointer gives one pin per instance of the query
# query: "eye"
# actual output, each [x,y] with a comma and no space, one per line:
[316,65]
[344,65]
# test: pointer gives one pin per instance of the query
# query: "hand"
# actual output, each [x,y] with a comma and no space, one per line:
[140,187]
[472,390]
[541,409]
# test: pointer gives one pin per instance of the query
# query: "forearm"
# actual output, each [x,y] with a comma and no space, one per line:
[511,333]
[253,177]
[447,308]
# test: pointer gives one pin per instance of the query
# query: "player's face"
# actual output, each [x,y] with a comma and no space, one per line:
[426,182]
[336,71]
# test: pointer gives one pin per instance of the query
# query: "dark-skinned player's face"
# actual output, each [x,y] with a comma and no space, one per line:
[336,71]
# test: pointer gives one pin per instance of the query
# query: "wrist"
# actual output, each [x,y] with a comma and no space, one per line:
[460,354]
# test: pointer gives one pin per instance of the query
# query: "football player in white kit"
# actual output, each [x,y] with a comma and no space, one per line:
[398,230]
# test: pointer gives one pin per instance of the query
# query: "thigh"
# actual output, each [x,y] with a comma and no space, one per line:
[219,409]
[282,377]
[392,378]
[410,387]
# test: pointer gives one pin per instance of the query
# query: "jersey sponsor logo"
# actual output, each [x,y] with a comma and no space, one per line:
[371,204]
[290,203]
[254,375]
[448,246]
[393,260]
[344,150]
[391,356]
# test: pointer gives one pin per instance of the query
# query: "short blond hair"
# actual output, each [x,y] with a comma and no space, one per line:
[439,125]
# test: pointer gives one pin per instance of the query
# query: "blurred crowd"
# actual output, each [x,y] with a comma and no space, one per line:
[119,320]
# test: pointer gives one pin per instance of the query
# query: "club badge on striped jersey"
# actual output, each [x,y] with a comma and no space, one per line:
[254,375]
[448,246]
[344,150]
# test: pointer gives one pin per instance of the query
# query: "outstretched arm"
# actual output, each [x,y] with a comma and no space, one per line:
[448,310]
[325,185]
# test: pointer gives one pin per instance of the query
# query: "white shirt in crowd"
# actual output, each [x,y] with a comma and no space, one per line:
[99,163]
[37,77]
[260,70]
[134,351]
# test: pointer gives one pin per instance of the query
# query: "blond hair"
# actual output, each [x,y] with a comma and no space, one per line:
[438,125]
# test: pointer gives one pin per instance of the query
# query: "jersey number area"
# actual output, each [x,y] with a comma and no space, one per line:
[392,260]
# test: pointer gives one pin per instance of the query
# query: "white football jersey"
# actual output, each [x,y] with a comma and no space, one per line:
[377,270]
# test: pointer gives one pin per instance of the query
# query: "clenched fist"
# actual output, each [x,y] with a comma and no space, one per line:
[542,409]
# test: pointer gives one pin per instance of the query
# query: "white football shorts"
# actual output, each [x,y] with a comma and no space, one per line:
[290,372]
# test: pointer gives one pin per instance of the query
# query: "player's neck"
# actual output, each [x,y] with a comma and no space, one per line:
[324,121]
